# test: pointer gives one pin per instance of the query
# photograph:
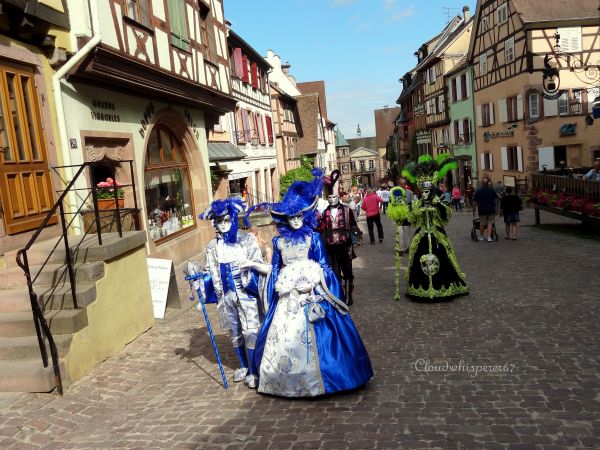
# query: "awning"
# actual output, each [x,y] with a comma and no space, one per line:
[224,151]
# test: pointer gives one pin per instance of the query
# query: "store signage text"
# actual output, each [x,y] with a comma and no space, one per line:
[104,116]
[496,134]
[148,114]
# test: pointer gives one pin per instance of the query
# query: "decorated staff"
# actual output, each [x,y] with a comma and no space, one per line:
[398,211]
[193,276]
[433,271]
[335,224]
[234,266]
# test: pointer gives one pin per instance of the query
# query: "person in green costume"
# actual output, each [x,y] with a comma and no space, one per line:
[433,271]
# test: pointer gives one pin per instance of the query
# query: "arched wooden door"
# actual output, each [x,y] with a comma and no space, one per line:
[25,186]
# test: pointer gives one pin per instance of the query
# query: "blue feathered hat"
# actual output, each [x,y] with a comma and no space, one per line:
[218,208]
[300,198]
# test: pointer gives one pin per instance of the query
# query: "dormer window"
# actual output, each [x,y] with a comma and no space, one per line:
[502,14]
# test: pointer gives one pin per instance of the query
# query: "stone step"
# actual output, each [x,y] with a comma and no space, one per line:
[49,297]
[51,274]
[28,376]
[27,347]
[68,321]
[38,254]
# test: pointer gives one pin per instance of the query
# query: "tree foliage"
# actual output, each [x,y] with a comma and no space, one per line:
[302,173]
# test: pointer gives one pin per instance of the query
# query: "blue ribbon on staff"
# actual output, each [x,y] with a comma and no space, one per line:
[193,280]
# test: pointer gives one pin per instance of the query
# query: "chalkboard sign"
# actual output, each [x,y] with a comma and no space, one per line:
[159,271]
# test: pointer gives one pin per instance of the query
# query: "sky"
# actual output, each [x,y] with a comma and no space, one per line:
[360,48]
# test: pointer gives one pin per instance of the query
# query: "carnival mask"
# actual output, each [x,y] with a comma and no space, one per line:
[224,224]
[296,222]
[333,200]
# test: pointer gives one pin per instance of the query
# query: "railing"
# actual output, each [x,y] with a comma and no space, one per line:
[41,325]
[578,187]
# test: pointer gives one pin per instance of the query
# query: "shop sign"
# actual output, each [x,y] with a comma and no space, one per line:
[160,271]
[568,129]
[497,134]
[148,114]
[106,114]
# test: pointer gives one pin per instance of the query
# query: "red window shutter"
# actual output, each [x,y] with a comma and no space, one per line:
[254,75]
[239,64]
[245,77]
[269,129]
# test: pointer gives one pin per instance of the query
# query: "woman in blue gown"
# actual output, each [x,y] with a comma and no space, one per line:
[308,344]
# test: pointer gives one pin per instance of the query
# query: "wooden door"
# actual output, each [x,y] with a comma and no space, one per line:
[25,186]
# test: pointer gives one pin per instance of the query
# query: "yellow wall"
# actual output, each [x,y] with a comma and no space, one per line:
[121,312]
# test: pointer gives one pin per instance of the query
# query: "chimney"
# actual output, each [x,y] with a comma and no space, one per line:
[466,13]
[286,68]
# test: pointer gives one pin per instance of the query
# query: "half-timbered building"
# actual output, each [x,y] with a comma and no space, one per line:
[449,48]
[255,175]
[404,125]
[33,43]
[343,161]
[155,81]
[519,127]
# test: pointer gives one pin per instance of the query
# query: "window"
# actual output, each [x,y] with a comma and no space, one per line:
[484,25]
[487,161]
[245,71]
[463,87]
[457,136]
[511,155]
[371,165]
[431,74]
[269,129]
[177,19]
[576,102]
[487,114]
[167,186]
[362,165]
[509,50]
[512,158]
[534,106]
[502,14]
[570,39]
[466,136]
[482,64]
[138,11]
[511,109]
[563,103]
[438,106]
[453,87]
[207,32]
[353,166]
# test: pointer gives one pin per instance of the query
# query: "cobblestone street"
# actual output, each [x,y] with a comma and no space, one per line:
[530,323]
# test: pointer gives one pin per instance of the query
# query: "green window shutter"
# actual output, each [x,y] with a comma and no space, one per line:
[179,34]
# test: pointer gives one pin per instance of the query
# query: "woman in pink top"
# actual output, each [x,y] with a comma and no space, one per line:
[370,205]
[456,197]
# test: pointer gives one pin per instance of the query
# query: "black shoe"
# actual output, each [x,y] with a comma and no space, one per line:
[380,241]
[372,242]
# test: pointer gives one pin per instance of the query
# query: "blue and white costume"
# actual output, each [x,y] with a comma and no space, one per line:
[308,344]
[233,280]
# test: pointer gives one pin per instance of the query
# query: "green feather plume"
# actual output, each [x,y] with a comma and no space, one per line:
[408,172]
[398,212]
[439,159]
[445,167]
[424,159]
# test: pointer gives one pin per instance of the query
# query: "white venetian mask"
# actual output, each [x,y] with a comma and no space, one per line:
[224,224]
[296,222]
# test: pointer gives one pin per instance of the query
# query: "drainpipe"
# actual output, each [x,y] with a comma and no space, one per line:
[57,92]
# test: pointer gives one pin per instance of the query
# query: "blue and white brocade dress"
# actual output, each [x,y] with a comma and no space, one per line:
[308,344]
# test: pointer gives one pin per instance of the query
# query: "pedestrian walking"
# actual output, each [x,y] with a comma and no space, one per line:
[500,190]
[371,205]
[485,197]
[456,198]
[510,204]
[384,195]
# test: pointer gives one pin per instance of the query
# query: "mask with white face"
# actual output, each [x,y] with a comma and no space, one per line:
[224,224]
[333,200]
[296,222]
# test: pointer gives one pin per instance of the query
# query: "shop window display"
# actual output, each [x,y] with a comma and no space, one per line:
[167,186]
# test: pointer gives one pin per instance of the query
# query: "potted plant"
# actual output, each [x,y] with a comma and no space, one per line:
[105,193]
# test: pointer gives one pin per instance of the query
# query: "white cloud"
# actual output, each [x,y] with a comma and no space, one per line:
[341,2]
[389,5]
[400,15]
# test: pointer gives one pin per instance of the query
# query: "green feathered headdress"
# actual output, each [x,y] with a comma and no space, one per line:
[429,169]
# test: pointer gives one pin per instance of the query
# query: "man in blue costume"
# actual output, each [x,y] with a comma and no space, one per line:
[233,267]
[308,344]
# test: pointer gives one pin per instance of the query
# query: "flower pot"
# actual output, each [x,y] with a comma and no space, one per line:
[109,203]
